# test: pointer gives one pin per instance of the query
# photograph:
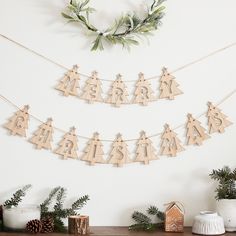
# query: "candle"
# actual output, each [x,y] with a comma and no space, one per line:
[18,217]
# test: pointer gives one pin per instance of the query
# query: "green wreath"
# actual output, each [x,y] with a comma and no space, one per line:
[125,31]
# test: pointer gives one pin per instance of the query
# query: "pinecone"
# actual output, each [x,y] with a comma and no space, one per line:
[34,226]
[48,225]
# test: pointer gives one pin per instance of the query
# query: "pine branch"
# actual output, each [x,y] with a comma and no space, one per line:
[144,222]
[58,213]
[152,210]
[45,205]
[142,227]
[226,178]
[59,225]
[141,218]
[81,202]
[61,194]
[17,197]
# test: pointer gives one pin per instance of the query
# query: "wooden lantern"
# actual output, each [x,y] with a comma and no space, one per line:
[174,218]
[78,225]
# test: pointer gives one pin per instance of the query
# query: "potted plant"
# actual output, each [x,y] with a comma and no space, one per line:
[226,196]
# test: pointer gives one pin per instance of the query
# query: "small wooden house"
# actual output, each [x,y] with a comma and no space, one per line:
[174,218]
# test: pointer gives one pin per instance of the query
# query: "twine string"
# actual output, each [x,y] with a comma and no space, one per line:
[5,99]
[126,81]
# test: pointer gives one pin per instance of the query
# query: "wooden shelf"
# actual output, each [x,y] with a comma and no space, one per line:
[114,231]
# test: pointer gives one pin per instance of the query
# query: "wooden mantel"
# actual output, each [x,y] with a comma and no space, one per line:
[114,231]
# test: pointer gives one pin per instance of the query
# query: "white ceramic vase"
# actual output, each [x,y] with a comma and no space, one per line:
[208,223]
[227,209]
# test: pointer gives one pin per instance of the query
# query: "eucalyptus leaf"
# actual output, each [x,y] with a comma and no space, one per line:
[125,30]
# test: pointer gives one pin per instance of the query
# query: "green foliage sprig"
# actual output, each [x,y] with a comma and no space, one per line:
[226,178]
[17,197]
[58,213]
[125,31]
[144,222]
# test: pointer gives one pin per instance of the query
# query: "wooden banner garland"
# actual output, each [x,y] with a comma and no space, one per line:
[70,82]
[68,146]
[145,151]
[118,93]
[217,121]
[119,155]
[170,144]
[19,122]
[92,91]
[196,134]
[143,92]
[43,136]
[168,86]
[94,152]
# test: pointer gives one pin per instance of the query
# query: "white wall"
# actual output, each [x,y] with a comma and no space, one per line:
[190,30]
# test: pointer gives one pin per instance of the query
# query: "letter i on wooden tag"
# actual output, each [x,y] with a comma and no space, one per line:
[145,151]
[93,153]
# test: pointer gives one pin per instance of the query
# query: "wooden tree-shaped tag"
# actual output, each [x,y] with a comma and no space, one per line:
[196,134]
[119,154]
[94,152]
[92,90]
[69,84]
[68,146]
[143,92]
[118,93]
[168,86]
[43,136]
[170,144]
[145,151]
[19,122]
[217,121]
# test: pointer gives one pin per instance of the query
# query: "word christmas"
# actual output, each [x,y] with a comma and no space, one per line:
[196,134]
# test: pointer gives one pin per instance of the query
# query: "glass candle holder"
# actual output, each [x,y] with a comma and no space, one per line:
[16,218]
